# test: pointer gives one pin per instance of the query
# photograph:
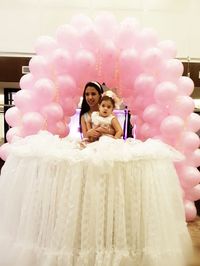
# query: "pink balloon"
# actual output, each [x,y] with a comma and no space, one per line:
[25,101]
[168,48]
[85,60]
[62,61]
[106,25]
[45,91]
[66,86]
[193,122]
[40,67]
[193,194]
[189,176]
[189,141]
[52,112]
[45,45]
[145,130]
[190,210]
[108,71]
[126,94]
[80,22]
[147,38]
[139,104]
[13,132]
[186,85]
[69,106]
[182,106]
[27,81]
[165,93]
[194,158]
[171,126]
[67,120]
[59,128]
[4,151]
[90,39]
[127,34]
[145,84]
[152,60]
[172,69]
[13,116]
[67,37]
[32,122]
[129,64]
[153,114]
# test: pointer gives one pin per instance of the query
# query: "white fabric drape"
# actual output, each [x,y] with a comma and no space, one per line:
[113,203]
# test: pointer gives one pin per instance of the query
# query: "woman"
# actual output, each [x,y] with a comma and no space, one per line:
[91,96]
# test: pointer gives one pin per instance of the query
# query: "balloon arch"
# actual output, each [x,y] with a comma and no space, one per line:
[124,56]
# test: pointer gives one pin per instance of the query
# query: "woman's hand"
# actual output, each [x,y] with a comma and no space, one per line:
[106,130]
[93,133]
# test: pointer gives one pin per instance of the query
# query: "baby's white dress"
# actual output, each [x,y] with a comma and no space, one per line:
[98,120]
[114,203]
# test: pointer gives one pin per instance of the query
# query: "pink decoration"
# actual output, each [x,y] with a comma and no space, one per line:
[189,176]
[25,101]
[153,114]
[31,123]
[172,126]
[193,158]
[52,112]
[145,83]
[13,116]
[190,210]
[165,93]
[66,86]
[45,45]
[189,141]
[168,48]
[13,133]
[186,85]
[193,122]
[67,37]
[124,56]
[151,60]
[182,106]
[4,151]
[106,25]
[45,91]
[40,67]
[27,82]
[62,61]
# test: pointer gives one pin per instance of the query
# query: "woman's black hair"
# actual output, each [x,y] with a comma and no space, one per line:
[84,106]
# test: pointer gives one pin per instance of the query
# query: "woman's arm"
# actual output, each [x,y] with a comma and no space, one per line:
[84,127]
[117,127]
[88,131]
[106,130]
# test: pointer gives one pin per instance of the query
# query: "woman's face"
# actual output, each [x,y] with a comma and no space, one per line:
[92,96]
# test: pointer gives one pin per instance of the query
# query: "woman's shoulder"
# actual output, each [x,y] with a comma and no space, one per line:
[86,116]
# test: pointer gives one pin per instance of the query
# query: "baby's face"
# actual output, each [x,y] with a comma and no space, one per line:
[105,108]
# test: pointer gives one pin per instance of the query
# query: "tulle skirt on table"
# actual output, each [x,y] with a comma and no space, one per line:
[113,203]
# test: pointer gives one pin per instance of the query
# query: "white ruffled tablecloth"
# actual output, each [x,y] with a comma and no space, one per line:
[114,203]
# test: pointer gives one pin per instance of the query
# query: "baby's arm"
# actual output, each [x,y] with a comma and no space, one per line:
[117,127]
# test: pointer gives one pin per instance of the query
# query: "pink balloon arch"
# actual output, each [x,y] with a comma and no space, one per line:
[124,56]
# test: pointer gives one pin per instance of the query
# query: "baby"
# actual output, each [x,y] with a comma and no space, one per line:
[104,118]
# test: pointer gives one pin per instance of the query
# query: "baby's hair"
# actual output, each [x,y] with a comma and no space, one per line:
[107,98]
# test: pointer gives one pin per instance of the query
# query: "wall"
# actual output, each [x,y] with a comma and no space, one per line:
[23,21]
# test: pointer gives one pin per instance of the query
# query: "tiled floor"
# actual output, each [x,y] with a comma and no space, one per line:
[194,228]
